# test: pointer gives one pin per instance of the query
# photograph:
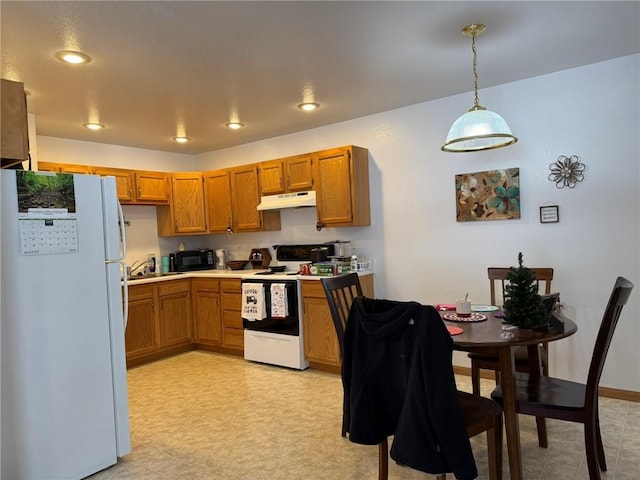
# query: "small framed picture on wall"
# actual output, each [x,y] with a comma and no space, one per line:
[549,214]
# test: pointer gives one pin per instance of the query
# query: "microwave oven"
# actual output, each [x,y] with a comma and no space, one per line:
[191,260]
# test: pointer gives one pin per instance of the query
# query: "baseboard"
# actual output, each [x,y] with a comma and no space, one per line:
[607,392]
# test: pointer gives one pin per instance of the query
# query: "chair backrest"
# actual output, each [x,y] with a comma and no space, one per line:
[617,300]
[499,274]
[340,293]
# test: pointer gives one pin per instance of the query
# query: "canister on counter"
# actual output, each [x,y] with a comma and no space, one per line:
[172,262]
[164,264]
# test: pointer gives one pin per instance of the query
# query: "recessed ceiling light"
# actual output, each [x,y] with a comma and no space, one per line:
[181,139]
[309,106]
[234,125]
[69,56]
[94,126]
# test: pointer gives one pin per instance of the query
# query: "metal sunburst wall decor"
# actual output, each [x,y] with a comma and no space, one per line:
[567,171]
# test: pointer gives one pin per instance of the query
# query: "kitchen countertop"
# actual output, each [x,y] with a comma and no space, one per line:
[161,277]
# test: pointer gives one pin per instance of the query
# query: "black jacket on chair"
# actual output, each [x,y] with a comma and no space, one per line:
[398,380]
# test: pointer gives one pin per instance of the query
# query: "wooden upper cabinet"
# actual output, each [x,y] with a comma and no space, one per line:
[271,177]
[299,173]
[218,194]
[125,182]
[65,168]
[188,202]
[14,136]
[152,187]
[342,186]
[71,168]
[186,215]
[292,174]
[245,197]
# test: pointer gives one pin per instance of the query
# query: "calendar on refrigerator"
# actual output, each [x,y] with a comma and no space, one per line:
[46,213]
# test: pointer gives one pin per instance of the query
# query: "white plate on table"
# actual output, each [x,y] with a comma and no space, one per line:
[483,308]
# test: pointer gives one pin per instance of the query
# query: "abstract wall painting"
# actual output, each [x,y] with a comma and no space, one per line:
[490,195]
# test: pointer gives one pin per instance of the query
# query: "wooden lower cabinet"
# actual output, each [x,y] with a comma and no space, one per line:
[207,324]
[321,347]
[175,313]
[142,336]
[159,321]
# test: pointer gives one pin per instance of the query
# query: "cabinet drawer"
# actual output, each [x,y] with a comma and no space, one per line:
[232,286]
[312,288]
[140,291]
[173,286]
[232,301]
[232,318]
[233,337]
[205,284]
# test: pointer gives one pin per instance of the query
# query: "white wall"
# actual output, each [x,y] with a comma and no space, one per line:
[421,253]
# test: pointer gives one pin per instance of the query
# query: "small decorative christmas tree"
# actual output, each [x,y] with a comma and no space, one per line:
[523,305]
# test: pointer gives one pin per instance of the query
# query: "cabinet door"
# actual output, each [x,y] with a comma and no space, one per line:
[48,167]
[218,195]
[152,187]
[272,177]
[71,168]
[124,182]
[141,335]
[333,186]
[342,185]
[175,319]
[299,173]
[14,141]
[245,198]
[187,203]
[320,339]
[65,168]
[206,311]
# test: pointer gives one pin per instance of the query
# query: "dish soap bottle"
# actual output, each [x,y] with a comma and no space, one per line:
[354,263]
[151,262]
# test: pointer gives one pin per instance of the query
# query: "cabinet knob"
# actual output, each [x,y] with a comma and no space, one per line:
[319,225]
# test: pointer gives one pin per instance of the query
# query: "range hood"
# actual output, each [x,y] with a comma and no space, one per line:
[288,200]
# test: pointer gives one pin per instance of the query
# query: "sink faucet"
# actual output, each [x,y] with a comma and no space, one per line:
[136,266]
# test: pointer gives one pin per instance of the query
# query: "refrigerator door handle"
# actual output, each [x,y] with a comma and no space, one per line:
[123,266]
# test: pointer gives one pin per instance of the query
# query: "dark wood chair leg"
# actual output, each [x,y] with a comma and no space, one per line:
[601,458]
[591,449]
[541,424]
[475,377]
[383,460]
[494,449]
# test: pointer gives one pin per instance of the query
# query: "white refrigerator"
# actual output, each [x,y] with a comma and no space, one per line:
[64,408]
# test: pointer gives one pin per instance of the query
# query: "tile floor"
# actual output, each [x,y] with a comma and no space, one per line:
[208,416]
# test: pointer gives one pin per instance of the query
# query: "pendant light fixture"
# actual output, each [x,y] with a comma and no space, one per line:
[479,128]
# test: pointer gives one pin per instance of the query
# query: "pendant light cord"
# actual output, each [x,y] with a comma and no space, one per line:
[476,102]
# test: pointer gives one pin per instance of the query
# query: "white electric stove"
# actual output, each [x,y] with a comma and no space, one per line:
[275,337]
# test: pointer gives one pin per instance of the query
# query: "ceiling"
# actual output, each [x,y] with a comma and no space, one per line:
[165,68]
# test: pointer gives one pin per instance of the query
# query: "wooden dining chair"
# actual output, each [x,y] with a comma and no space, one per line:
[488,360]
[575,402]
[340,292]
[480,414]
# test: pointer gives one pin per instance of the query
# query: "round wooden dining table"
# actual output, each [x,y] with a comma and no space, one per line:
[493,335]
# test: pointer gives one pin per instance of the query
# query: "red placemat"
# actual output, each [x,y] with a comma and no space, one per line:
[445,306]
[454,330]
[475,317]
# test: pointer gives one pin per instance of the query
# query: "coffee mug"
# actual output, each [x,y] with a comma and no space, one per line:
[463,308]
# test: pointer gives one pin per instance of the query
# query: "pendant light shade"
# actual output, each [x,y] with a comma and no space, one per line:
[479,128]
